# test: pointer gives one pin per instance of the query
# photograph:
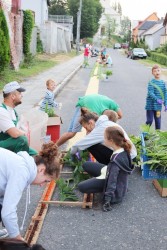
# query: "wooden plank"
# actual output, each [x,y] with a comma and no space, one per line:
[66,203]
[162,191]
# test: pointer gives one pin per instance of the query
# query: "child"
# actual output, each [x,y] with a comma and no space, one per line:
[156,96]
[111,179]
[86,55]
[49,96]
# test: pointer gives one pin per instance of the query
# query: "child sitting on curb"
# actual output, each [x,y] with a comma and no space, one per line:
[49,97]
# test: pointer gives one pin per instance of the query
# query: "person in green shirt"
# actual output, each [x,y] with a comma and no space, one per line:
[94,103]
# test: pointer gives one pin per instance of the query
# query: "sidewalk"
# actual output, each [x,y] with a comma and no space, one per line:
[36,86]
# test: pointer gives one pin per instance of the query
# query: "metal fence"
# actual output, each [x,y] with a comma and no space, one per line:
[61,19]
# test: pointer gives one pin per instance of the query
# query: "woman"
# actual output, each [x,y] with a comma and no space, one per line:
[93,141]
[18,171]
[111,179]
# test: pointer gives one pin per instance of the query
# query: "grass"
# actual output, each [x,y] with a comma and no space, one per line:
[150,63]
[41,62]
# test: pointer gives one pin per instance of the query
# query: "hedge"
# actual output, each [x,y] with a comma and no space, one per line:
[28,24]
[159,58]
[4,42]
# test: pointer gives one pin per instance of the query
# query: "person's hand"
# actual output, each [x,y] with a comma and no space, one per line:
[106,206]
[165,109]
[60,105]
[159,101]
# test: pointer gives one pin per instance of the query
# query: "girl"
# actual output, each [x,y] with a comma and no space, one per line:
[18,171]
[111,179]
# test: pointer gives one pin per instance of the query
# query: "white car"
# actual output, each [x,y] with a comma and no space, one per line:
[138,53]
[117,46]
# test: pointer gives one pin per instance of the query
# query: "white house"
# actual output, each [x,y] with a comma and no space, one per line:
[40,9]
[110,13]
[153,35]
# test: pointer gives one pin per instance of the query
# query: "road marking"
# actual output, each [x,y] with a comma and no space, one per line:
[93,88]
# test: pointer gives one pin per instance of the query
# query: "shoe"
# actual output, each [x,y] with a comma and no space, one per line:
[3,233]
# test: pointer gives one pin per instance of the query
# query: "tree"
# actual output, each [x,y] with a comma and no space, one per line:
[110,27]
[119,9]
[126,28]
[90,16]
[4,42]
[114,6]
[58,7]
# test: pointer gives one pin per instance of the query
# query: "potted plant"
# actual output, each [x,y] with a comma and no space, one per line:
[108,73]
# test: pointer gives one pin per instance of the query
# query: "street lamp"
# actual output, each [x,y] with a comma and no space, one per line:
[78,27]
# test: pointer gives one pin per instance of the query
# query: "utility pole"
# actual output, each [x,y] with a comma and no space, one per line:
[78,26]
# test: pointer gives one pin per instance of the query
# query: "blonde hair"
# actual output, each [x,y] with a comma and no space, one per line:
[156,66]
[49,82]
[112,115]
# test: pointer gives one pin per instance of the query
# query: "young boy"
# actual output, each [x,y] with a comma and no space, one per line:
[49,96]
[156,96]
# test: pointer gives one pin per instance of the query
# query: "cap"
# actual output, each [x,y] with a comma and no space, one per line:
[12,86]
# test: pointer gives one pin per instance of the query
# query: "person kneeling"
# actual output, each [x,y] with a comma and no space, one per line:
[111,179]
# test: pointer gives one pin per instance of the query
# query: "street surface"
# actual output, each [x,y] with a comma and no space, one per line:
[140,221]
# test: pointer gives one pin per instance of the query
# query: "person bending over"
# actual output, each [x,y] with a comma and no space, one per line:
[94,140]
[95,103]
[19,171]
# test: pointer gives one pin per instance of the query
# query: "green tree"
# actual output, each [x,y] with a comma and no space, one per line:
[28,24]
[90,16]
[110,27]
[126,28]
[4,42]
[58,7]
[119,9]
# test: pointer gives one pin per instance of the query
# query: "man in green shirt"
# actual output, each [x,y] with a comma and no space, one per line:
[95,103]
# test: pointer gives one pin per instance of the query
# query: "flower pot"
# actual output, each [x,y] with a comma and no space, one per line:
[53,127]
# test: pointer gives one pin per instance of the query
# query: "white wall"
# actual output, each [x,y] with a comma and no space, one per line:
[153,41]
[39,7]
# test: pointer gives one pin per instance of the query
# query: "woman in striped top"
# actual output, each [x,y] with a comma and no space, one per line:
[156,97]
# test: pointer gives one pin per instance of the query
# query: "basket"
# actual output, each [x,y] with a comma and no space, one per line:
[146,172]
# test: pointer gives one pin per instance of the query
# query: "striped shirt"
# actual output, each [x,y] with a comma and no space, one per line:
[153,94]
[49,100]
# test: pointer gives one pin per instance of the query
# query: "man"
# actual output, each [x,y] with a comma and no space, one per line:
[12,137]
[95,103]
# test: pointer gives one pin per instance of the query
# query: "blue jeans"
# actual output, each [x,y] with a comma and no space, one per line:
[150,114]
[75,126]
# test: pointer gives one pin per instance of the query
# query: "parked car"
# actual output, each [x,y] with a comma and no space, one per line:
[117,46]
[124,45]
[138,53]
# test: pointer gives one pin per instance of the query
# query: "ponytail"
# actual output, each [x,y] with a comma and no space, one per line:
[117,135]
[87,115]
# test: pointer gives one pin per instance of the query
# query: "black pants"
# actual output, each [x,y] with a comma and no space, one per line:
[92,185]
[101,153]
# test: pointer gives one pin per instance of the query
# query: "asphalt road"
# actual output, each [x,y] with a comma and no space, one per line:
[140,221]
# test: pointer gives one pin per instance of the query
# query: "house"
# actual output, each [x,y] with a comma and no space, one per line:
[153,35]
[109,13]
[135,31]
[14,18]
[40,9]
[144,27]
[163,39]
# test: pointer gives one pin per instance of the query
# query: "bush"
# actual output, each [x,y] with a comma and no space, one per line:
[39,44]
[159,58]
[28,24]
[4,42]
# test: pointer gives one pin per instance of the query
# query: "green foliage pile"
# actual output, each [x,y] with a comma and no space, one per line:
[50,111]
[66,193]
[28,24]
[4,42]
[159,58]
[155,150]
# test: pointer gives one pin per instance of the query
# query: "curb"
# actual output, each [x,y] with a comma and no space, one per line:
[61,84]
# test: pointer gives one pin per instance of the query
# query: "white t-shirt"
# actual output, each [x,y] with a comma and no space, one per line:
[6,118]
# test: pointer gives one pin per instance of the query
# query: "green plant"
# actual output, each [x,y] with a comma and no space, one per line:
[108,72]
[66,193]
[4,42]
[39,44]
[50,111]
[28,24]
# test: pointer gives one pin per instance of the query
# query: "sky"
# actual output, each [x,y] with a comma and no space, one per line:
[140,9]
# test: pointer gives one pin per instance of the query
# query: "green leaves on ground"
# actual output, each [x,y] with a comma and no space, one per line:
[66,193]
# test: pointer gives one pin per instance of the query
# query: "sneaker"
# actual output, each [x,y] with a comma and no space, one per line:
[3,233]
